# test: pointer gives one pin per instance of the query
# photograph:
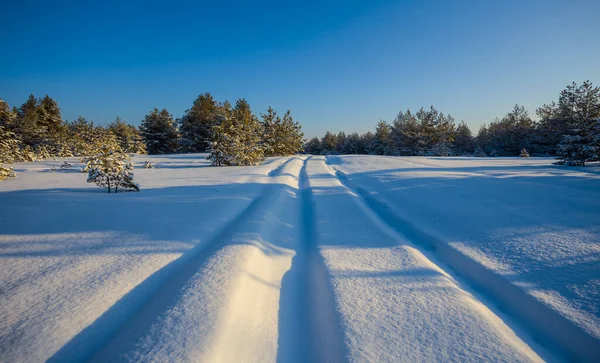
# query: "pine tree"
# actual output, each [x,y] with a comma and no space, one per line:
[368,143]
[383,139]
[7,116]
[112,169]
[328,143]
[292,135]
[313,146]
[581,106]
[26,123]
[247,134]
[159,132]
[49,116]
[463,140]
[524,153]
[222,134]
[128,137]
[352,144]
[405,134]
[271,124]
[6,173]
[196,124]
[9,147]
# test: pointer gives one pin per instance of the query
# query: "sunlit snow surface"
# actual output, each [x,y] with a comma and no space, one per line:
[359,258]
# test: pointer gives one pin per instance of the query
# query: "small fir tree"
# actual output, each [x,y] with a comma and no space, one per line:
[524,153]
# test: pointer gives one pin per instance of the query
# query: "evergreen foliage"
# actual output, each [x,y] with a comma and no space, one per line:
[110,168]
[580,106]
[9,147]
[128,137]
[6,173]
[197,122]
[159,132]
[281,136]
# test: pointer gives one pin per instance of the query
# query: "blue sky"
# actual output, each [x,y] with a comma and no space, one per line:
[338,65]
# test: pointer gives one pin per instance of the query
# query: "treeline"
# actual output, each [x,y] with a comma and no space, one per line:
[232,134]
[568,129]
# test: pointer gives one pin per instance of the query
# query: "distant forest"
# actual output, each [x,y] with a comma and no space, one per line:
[568,129]
[233,135]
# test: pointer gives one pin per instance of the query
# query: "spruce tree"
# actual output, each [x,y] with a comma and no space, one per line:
[159,131]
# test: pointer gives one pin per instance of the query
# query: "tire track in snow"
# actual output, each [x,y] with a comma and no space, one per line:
[553,331]
[309,329]
[117,329]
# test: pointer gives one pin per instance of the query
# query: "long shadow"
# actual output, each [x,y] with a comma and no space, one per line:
[120,327]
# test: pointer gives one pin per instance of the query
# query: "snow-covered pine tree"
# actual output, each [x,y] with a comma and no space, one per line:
[7,116]
[6,173]
[281,136]
[159,131]
[128,137]
[42,153]
[196,124]
[221,145]
[581,104]
[112,169]
[524,153]
[271,128]
[247,134]
[9,147]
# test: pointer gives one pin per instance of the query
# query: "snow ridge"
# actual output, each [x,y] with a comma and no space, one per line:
[310,330]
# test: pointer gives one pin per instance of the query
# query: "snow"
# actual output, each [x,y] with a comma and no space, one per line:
[340,258]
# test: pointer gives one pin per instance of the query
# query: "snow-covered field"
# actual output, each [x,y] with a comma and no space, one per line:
[339,258]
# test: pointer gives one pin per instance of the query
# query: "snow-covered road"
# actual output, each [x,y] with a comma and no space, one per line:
[302,259]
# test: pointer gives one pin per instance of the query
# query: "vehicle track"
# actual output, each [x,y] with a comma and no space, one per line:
[396,230]
[310,330]
[550,329]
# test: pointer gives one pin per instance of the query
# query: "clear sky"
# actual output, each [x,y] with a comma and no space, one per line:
[338,65]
